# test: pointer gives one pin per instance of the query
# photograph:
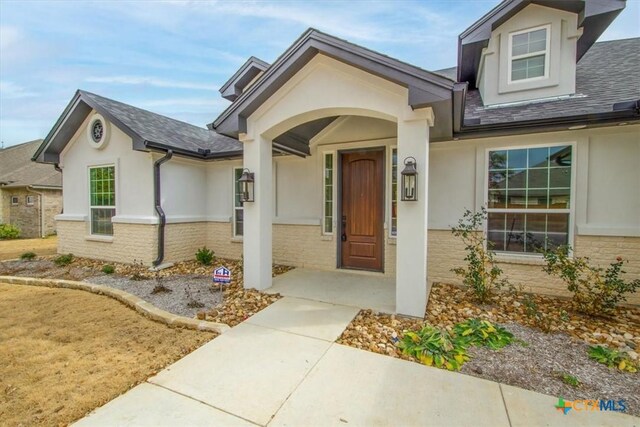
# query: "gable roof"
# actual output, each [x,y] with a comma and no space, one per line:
[606,83]
[594,16]
[234,87]
[19,171]
[425,87]
[149,131]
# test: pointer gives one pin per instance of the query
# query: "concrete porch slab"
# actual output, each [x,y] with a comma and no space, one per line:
[355,289]
[150,405]
[527,408]
[305,317]
[249,371]
[357,388]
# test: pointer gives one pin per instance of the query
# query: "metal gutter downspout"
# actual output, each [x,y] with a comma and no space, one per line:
[158,205]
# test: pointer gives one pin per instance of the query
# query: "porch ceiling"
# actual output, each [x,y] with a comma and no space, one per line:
[296,140]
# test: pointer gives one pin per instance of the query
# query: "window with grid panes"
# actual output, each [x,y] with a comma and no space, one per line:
[529,198]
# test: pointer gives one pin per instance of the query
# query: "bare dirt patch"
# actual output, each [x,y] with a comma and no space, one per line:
[12,249]
[537,365]
[65,352]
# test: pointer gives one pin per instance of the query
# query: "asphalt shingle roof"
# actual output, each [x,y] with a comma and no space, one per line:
[607,74]
[163,130]
[17,169]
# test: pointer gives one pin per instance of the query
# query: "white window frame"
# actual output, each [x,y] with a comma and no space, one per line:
[15,200]
[30,200]
[333,154]
[572,194]
[391,234]
[233,204]
[115,198]
[547,54]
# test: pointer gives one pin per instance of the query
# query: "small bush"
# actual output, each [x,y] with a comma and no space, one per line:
[570,380]
[596,291]
[28,256]
[8,232]
[482,274]
[538,318]
[612,358]
[204,256]
[108,269]
[433,346]
[483,333]
[63,260]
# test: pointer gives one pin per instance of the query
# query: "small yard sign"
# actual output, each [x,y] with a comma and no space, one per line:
[222,275]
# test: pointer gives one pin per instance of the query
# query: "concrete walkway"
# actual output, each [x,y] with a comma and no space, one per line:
[282,368]
[345,287]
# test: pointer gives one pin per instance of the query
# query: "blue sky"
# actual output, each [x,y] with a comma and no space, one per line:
[170,57]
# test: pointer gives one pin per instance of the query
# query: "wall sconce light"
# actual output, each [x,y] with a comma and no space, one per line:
[409,180]
[246,186]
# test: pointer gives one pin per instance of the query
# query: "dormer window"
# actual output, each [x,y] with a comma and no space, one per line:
[529,54]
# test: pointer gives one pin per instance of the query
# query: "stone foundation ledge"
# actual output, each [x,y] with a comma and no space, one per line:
[141,306]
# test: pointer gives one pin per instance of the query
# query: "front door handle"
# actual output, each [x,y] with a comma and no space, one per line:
[344,228]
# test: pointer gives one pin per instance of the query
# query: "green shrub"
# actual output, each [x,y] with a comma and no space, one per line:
[570,380]
[204,256]
[28,256]
[8,232]
[612,358]
[63,260]
[108,269]
[596,291]
[483,333]
[482,274]
[433,346]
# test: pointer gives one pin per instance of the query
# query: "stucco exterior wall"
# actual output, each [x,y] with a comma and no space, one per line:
[134,175]
[606,203]
[493,81]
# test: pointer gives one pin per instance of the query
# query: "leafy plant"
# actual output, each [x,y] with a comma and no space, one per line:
[538,318]
[482,274]
[570,380]
[108,269]
[204,256]
[612,358]
[434,346]
[8,232]
[63,260]
[483,333]
[596,291]
[28,256]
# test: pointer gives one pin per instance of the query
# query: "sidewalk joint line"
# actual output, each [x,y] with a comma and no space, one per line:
[204,403]
[504,402]
[299,383]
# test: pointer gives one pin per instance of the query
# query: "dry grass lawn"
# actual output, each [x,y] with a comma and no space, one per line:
[12,249]
[65,352]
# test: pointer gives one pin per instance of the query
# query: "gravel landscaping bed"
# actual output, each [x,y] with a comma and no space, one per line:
[185,295]
[186,288]
[540,361]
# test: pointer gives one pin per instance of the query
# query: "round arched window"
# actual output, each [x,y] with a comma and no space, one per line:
[97,131]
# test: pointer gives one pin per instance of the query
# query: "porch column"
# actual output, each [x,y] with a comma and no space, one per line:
[258,219]
[411,244]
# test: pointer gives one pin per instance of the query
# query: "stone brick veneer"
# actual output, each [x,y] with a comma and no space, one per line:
[446,252]
[305,246]
[131,242]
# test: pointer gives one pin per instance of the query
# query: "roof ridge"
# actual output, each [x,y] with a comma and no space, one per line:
[39,141]
[143,109]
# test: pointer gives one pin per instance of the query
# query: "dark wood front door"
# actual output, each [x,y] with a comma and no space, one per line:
[361,229]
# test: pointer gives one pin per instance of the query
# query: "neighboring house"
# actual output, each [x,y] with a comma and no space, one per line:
[30,193]
[538,122]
